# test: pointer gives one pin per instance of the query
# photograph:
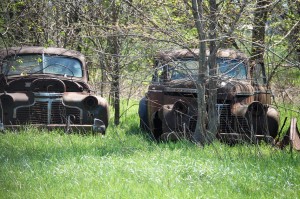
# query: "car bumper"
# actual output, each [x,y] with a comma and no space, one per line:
[97,127]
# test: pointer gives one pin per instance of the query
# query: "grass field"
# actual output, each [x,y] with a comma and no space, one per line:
[127,164]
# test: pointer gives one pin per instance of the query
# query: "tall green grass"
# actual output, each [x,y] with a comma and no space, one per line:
[126,163]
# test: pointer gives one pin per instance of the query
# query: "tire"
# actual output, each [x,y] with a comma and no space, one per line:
[143,114]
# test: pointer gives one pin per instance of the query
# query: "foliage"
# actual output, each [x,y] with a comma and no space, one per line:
[142,28]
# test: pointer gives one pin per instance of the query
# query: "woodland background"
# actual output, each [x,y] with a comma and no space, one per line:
[120,37]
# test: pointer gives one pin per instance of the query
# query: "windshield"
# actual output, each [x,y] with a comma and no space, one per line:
[228,68]
[42,64]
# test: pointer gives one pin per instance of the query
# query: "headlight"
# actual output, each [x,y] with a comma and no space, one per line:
[256,109]
[181,106]
[90,102]
[6,100]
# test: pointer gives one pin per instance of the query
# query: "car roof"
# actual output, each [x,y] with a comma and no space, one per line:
[41,50]
[192,53]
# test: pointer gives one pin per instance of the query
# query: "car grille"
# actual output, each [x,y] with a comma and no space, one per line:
[229,123]
[50,112]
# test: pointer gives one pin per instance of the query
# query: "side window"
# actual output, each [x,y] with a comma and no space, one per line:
[160,72]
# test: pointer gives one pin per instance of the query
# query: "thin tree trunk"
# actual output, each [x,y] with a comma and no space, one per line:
[258,34]
[116,84]
[103,78]
[200,130]
[212,97]
[115,47]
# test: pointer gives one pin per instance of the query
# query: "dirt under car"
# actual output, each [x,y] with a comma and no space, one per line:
[48,87]
[243,100]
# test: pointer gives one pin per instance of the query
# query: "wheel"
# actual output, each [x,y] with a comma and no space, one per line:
[143,114]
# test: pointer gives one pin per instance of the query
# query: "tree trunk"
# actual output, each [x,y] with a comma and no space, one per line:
[114,45]
[212,90]
[200,130]
[258,34]
[294,39]
[115,74]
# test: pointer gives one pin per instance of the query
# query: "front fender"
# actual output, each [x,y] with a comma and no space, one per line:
[92,106]
[175,117]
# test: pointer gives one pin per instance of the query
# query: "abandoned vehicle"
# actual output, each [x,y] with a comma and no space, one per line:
[243,100]
[48,87]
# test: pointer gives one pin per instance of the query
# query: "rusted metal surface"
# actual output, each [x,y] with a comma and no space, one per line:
[193,53]
[243,105]
[294,135]
[290,138]
[50,92]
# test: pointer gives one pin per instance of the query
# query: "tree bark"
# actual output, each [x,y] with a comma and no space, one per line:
[114,44]
[200,130]
[258,35]
[212,63]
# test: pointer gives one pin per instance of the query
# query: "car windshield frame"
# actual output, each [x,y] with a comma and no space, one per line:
[28,64]
[188,68]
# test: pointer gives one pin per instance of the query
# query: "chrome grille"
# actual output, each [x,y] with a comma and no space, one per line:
[36,114]
[59,114]
[229,123]
[47,112]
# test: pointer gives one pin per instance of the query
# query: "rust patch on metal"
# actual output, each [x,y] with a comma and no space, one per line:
[294,135]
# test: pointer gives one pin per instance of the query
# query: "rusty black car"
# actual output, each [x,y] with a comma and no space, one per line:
[48,87]
[243,97]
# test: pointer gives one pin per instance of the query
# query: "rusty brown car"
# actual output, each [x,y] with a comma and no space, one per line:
[243,100]
[48,87]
